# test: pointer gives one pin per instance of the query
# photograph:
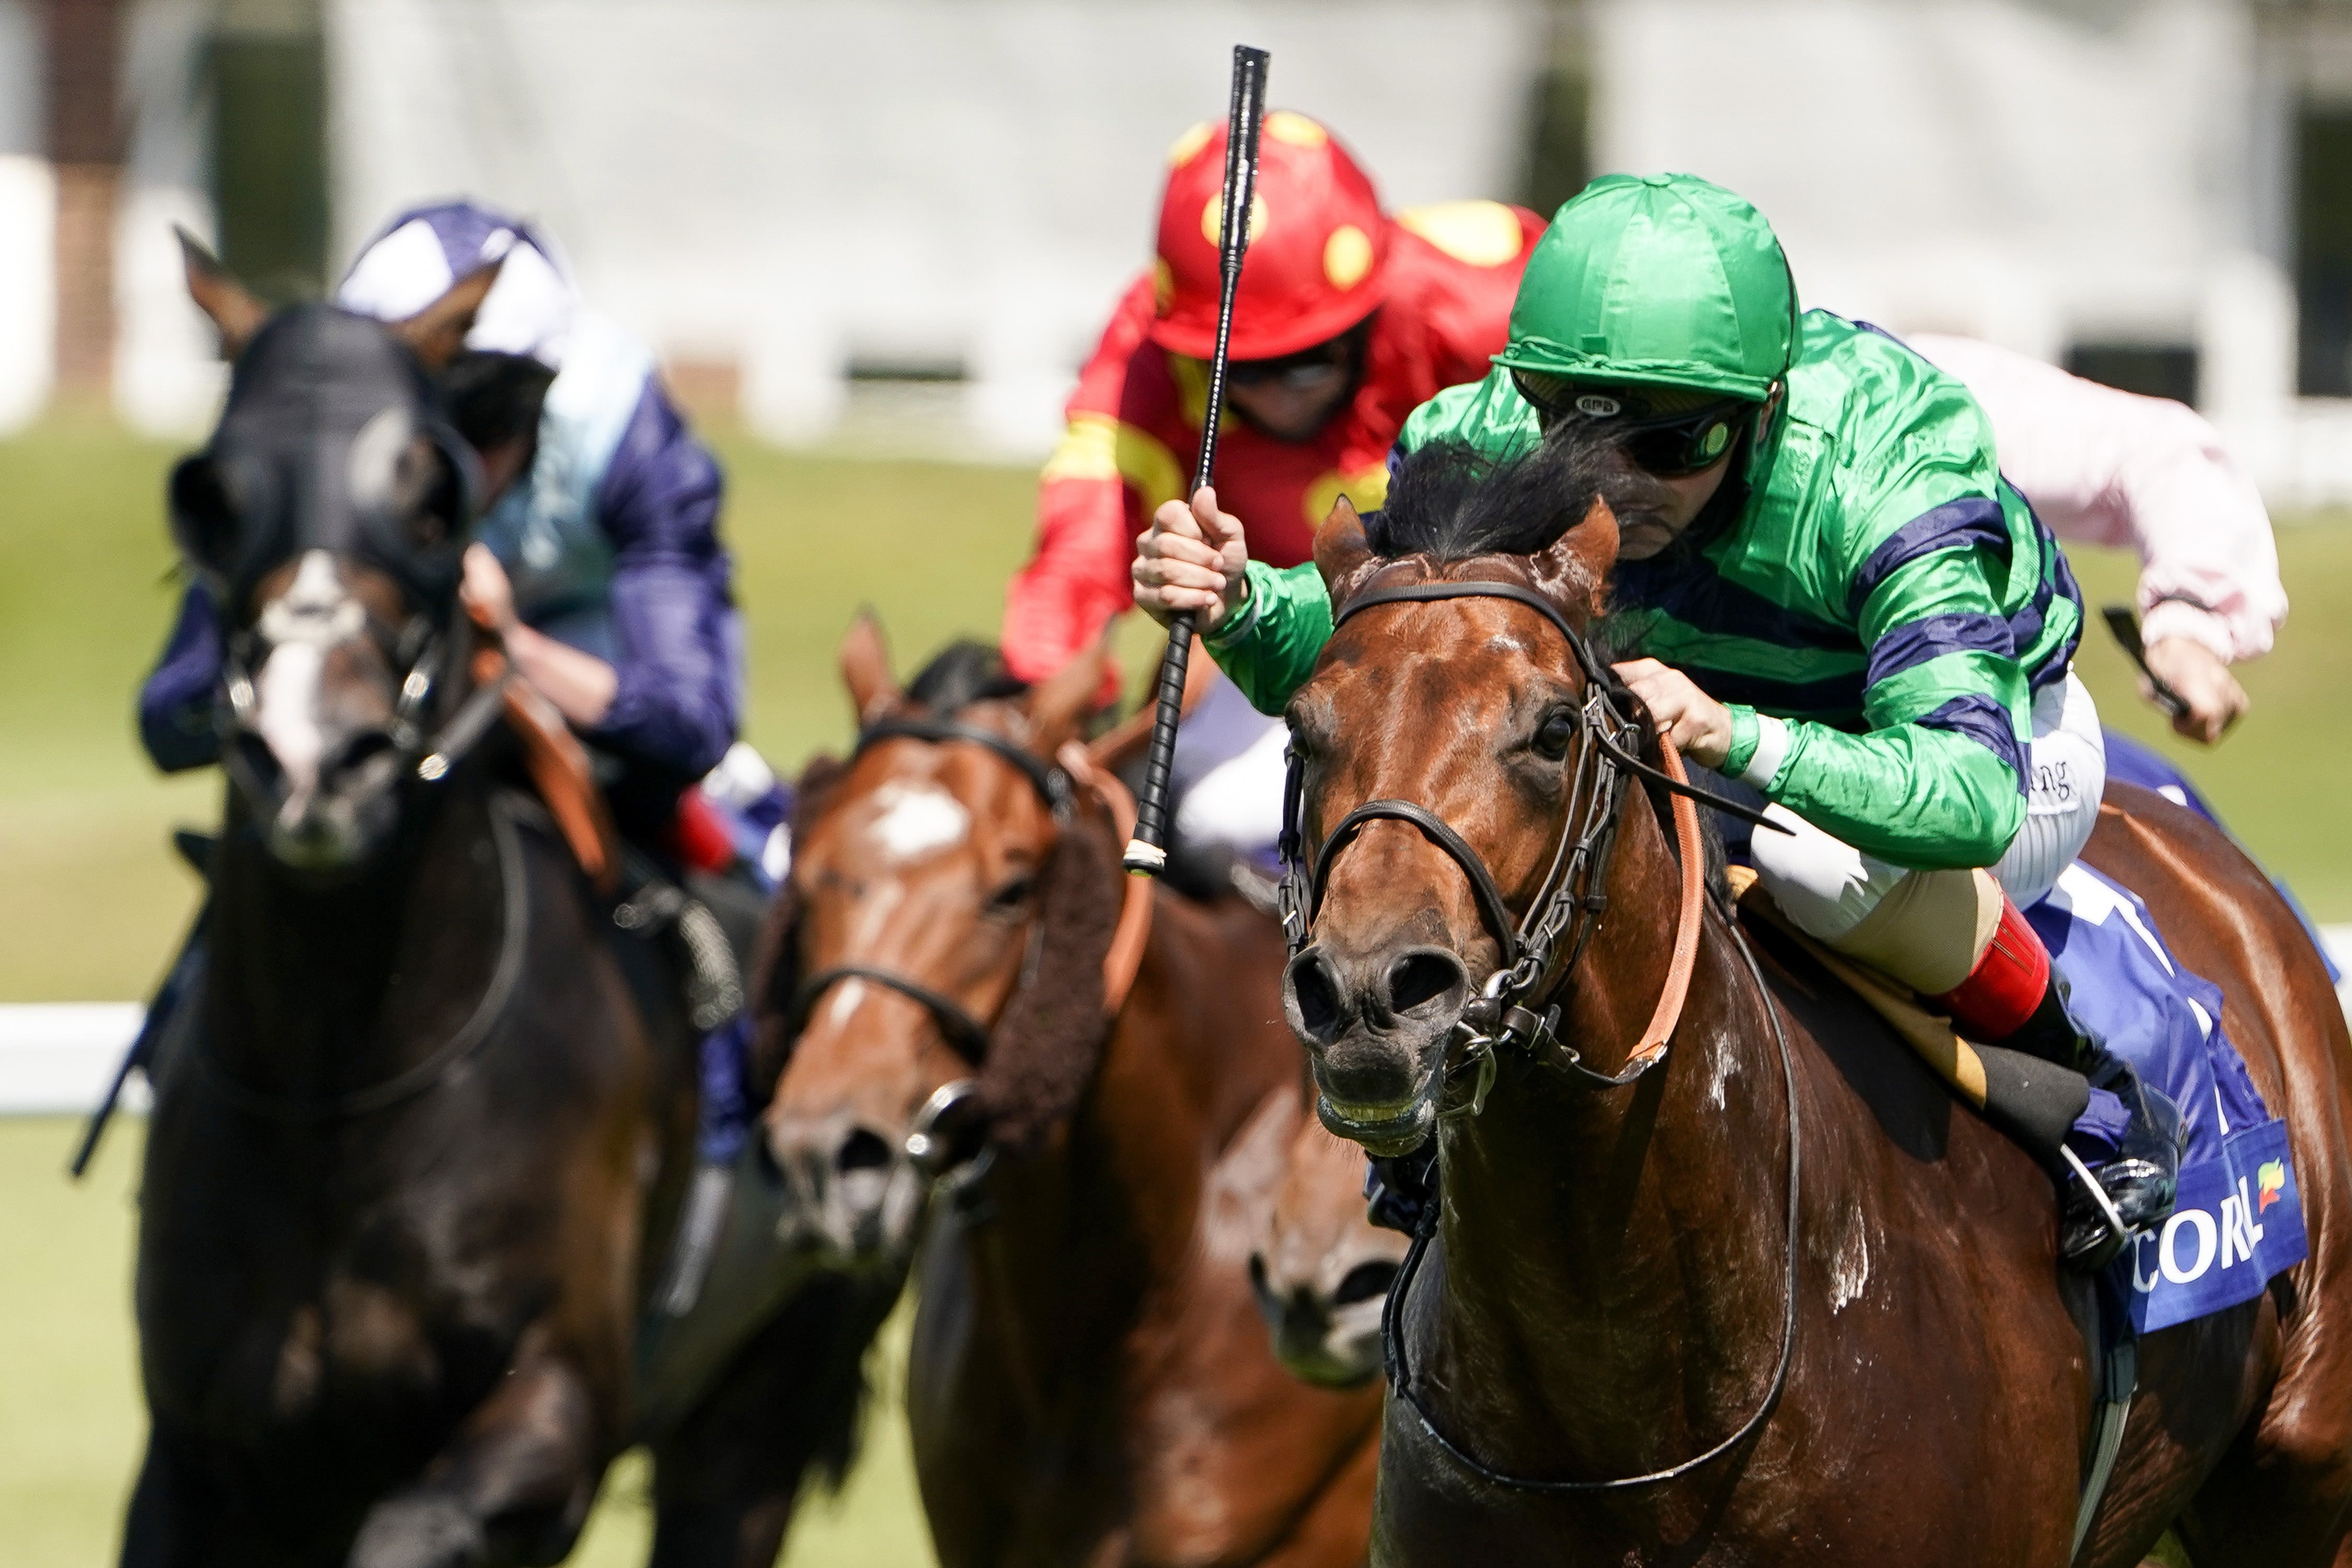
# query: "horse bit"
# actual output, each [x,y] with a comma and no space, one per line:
[1561,918]
[420,647]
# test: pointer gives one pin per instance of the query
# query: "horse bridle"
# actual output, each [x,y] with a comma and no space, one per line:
[965,1034]
[1561,920]
[1569,902]
[420,645]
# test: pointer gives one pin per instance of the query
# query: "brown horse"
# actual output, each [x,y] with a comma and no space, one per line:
[413,1171]
[1773,1300]
[1108,1103]
[1322,1271]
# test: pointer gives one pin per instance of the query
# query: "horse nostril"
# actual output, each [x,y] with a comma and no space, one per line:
[1421,976]
[862,1151]
[1314,992]
[1257,1273]
[1364,1282]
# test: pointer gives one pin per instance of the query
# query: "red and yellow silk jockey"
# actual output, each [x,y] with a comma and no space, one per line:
[1347,319]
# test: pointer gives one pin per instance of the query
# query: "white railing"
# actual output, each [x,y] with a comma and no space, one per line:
[57,1058]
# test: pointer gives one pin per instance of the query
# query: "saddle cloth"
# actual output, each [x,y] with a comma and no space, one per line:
[2238,1221]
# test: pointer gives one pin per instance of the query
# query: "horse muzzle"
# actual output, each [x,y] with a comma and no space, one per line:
[1376,1029]
[856,1195]
[328,819]
[1330,1339]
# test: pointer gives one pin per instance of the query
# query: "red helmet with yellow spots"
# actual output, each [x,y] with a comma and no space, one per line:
[1318,241]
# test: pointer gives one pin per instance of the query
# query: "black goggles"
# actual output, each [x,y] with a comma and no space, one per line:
[1298,371]
[1669,444]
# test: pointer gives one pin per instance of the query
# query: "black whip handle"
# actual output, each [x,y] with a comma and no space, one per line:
[1147,852]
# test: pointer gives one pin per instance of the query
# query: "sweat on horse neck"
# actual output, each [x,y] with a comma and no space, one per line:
[1611,1260]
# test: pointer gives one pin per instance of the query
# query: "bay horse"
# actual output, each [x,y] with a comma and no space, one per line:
[1726,1277]
[1095,1071]
[412,1174]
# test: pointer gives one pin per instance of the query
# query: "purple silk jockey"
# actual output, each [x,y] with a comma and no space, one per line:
[599,552]
[598,560]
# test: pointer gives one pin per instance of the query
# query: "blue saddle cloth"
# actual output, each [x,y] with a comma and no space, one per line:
[2240,1219]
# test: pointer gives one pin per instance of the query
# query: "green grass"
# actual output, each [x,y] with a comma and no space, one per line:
[87,594]
[95,901]
[2279,778]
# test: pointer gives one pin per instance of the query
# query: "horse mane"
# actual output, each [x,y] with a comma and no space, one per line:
[1450,501]
[1048,1041]
[964,672]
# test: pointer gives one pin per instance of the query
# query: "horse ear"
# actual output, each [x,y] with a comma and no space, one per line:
[1066,696]
[1573,569]
[1342,553]
[233,309]
[437,332]
[866,668]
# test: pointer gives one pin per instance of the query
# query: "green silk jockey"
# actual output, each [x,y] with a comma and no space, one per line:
[1859,620]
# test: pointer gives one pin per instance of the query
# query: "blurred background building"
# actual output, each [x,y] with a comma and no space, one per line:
[849,219]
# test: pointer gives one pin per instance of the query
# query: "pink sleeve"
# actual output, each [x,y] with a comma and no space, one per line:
[2104,466]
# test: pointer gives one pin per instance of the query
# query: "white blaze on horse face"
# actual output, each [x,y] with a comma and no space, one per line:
[314,613]
[846,998]
[913,820]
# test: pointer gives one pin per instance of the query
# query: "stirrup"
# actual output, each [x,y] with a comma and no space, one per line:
[2091,1250]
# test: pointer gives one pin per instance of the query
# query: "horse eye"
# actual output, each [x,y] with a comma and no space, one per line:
[1556,732]
[1012,895]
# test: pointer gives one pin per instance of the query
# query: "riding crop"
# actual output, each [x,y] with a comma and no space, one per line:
[1147,852]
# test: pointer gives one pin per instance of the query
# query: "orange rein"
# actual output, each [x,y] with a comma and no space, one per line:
[1669,1012]
[1126,954]
[557,763]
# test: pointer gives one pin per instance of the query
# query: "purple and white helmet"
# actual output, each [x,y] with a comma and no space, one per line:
[416,259]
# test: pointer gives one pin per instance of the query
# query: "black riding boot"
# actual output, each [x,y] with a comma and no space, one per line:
[2103,1206]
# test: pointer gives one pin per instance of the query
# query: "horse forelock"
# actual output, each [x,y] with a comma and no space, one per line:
[963,674]
[1451,501]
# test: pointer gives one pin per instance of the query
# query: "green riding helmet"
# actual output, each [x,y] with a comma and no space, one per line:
[1662,293]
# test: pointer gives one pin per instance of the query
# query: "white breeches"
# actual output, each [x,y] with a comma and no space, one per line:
[1829,889]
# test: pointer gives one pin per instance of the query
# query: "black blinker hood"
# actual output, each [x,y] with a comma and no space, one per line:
[321,406]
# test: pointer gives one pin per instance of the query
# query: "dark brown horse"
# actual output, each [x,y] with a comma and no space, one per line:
[1774,1300]
[412,1173]
[1090,1382]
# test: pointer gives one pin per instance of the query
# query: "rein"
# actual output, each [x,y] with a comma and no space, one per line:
[1056,784]
[1559,923]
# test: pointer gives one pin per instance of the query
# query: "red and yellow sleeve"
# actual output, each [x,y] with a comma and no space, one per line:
[1107,476]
